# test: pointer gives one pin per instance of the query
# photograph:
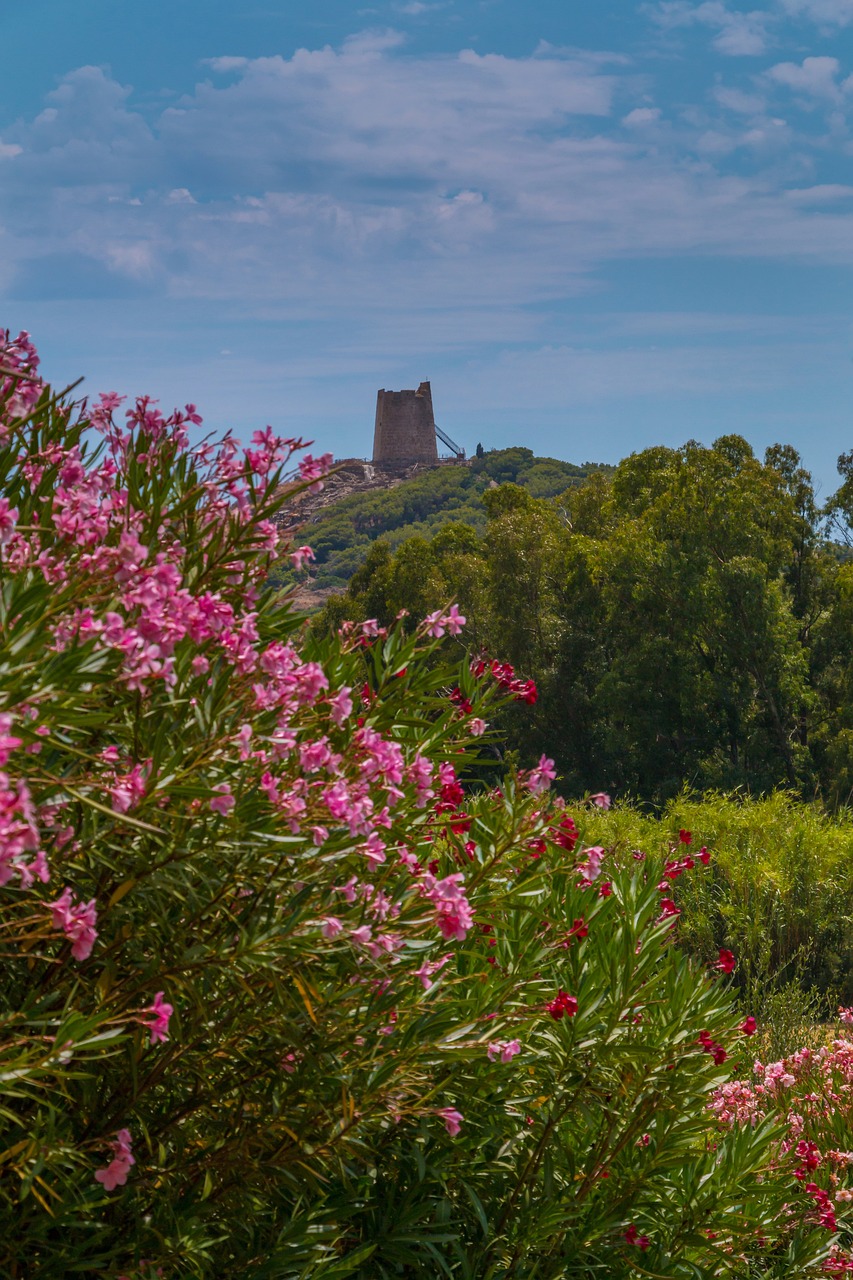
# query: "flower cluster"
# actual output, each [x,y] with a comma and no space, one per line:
[115,1174]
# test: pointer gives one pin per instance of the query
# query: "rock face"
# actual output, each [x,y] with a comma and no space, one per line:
[405,428]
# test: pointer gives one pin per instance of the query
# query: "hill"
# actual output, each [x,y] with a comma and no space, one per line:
[361,503]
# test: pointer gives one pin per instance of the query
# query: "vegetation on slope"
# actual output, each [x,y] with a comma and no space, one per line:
[419,507]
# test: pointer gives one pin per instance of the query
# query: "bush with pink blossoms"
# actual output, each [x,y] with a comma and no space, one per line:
[285,993]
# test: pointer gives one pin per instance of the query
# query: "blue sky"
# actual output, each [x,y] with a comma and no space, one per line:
[595,226]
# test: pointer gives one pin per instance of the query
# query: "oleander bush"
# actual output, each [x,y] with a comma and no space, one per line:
[290,989]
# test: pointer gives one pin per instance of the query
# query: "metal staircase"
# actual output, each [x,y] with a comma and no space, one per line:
[451,444]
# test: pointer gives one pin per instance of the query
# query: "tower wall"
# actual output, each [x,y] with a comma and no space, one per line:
[405,427]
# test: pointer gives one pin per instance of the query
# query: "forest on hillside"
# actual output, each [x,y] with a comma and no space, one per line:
[687,617]
[342,535]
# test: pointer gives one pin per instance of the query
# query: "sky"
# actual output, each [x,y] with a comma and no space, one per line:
[594,225]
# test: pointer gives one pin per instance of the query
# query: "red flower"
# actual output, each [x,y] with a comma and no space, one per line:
[727,961]
[605,890]
[668,908]
[562,1003]
[642,1242]
[686,837]
[704,856]
[749,1026]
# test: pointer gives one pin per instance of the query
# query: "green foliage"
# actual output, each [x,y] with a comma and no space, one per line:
[779,894]
[683,617]
[341,535]
[414,1031]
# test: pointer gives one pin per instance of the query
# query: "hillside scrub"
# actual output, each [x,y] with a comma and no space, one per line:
[285,992]
[341,537]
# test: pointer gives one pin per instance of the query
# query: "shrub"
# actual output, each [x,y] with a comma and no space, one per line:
[282,997]
[780,894]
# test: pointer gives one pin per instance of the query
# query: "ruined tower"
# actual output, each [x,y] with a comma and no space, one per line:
[405,427]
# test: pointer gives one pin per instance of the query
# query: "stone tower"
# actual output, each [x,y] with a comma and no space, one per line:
[405,427]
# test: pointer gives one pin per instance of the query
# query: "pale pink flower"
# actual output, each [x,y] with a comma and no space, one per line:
[591,869]
[348,889]
[301,556]
[340,706]
[77,922]
[115,1174]
[601,799]
[430,967]
[452,1119]
[476,727]
[223,802]
[362,935]
[542,776]
[503,1049]
[448,896]
[161,1012]
[332,926]
[8,742]
[244,738]
[8,520]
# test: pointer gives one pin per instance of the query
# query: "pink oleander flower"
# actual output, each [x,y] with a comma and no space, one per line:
[452,1119]
[314,469]
[77,922]
[590,869]
[601,800]
[340,706]
[503,1049]
[331,927]
[128,790]
[542,776]
[8,741]
[440,622]
[158,1024]
[115,1174]
[476,727]
[454,916]
[301,556]
[845,1015]
[8,520]
[223,802]
[429,968]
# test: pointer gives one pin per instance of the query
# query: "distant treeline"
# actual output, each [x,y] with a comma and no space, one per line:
[342,536]
[687,615]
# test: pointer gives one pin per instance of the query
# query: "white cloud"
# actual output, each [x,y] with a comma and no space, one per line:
[828,13]
[8,150]
[642,115]
[224,65]
[737,34]
[815,77]
[747,104]
[479,183]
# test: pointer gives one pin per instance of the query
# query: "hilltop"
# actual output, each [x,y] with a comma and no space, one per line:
[362,502]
